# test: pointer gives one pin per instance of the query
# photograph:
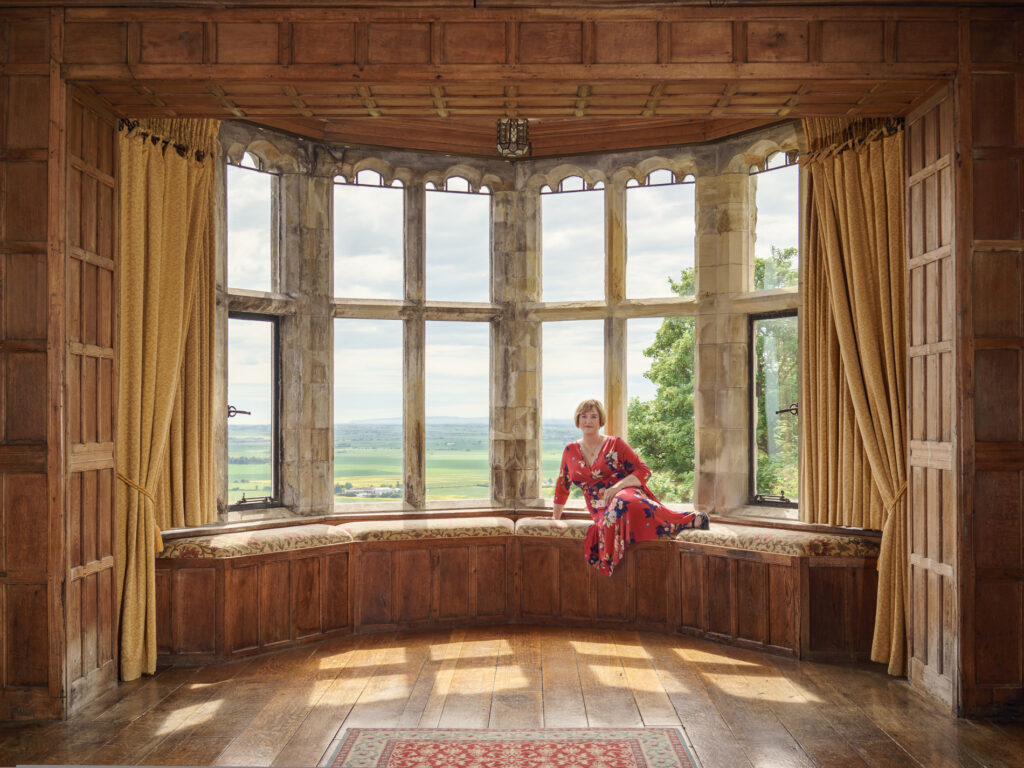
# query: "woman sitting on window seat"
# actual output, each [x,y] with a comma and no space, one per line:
[614,483]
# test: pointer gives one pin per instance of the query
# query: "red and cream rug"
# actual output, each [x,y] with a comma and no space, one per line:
[534,748]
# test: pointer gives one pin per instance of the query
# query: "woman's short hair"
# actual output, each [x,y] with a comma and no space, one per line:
[585,406]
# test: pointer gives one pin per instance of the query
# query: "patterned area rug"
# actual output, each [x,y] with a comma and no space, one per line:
[536,748]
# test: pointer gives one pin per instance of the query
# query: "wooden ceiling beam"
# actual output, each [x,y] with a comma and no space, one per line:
[499,76]
[321,67]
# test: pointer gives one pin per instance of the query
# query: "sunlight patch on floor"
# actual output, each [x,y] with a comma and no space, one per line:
[193,715]
[694,656]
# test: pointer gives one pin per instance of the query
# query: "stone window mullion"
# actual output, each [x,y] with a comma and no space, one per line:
[615,394]
[722,410]
[413,347]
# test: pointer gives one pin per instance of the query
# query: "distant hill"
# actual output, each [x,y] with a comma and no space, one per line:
[553,429]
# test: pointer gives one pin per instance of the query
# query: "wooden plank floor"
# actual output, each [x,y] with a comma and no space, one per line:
[737,708]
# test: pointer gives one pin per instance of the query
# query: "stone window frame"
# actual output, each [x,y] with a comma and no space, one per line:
[274,500]
[304,303]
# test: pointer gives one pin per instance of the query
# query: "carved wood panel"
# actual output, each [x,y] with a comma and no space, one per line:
[992,368]
[31,471]
[90,318]
[315,72]
[931,311]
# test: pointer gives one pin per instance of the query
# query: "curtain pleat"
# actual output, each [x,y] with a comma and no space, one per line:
[187,493]
[854,351]
[165,222]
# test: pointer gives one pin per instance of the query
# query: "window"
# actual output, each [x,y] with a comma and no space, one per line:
[369,220]
[660,234]
[774,389]
[458,244]
[457,411]
[401,340]
[573,369]
[251,224]
[661,387]
[777,238]
[252,411]
[368,391]
[572,242]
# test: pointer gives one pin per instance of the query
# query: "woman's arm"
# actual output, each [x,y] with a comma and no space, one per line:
[631,463]
[562,487]
[629,481]
[638,472]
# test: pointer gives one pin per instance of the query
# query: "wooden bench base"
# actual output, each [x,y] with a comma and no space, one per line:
[807,607]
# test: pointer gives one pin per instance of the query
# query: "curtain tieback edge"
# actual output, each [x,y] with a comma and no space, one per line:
[895,499]
[128,481]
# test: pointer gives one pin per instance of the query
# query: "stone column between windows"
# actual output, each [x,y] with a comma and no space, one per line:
[307,344]
[615,395]
[724,246]
[515,349]
[413,344]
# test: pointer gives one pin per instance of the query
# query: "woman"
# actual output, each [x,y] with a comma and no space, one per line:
[614,483]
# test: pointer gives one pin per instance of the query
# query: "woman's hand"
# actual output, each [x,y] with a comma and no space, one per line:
[556,511]
[629,481]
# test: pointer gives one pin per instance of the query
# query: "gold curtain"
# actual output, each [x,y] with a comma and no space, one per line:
[166,234]
[187,494]
[854,352]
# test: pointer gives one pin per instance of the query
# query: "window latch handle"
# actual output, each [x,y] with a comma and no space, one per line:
[793,408]
[232,411]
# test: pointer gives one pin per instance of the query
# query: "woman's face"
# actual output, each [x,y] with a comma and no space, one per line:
[590,421]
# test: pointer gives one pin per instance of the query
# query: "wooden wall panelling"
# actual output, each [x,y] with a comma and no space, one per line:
[538,571]
[720,583]
[90,320]
[990,299]
[194,622]
[459,581]
[655,586]
[32,480]
[162,581]
[372,589]
[336,591]
[492,582]
[784,594]
[211,609]
[810,607]
[414,592]
[615,599]
[241,620]
[840,608]
[932,399]
[274,603]
[575,584]
[306,596]
[453,586]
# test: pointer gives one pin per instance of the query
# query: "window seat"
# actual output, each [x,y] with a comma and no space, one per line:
[228,595]
[746,537]
[256,542]
[428,528]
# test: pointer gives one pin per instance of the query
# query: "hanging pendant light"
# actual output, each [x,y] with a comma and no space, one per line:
[513,137]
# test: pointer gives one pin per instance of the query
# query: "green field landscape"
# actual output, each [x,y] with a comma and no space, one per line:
[368,460]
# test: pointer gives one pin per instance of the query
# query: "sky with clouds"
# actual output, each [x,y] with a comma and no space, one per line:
[368,226]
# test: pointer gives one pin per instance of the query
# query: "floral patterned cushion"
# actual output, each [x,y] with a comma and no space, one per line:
[258,542]
[443,528]
[780,541]
[546,526]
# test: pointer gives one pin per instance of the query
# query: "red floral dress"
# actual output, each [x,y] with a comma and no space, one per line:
[634,514]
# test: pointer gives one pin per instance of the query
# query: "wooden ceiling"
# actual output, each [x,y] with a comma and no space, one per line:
[607,115]
[436,77]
